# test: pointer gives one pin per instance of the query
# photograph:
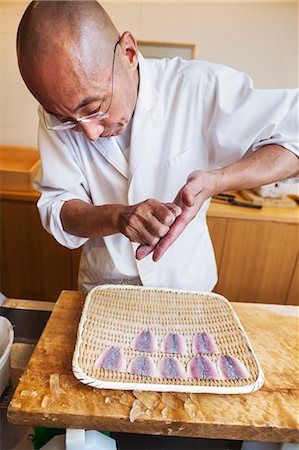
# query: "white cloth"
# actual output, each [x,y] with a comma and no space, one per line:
[189,115]
[124,140]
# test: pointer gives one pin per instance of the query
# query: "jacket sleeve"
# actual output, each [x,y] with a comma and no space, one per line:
[239,117]
[59,180]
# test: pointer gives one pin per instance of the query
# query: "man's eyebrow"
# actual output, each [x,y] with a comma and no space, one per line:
[83,102]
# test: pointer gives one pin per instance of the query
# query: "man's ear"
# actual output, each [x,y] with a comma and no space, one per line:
[129,48]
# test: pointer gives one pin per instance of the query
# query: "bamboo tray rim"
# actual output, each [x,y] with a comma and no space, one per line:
[92,382]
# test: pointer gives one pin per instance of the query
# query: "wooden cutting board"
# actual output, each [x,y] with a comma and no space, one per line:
[269,414]
[284,202]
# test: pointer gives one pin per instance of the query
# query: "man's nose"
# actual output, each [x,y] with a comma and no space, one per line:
[92,130]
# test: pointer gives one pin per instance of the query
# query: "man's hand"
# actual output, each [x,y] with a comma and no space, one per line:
[148,221]
[199,187]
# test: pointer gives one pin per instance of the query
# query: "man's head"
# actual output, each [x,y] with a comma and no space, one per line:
[65,54]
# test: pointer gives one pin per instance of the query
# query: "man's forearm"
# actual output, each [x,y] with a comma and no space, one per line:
[145,222]
[268,164]
[85,220]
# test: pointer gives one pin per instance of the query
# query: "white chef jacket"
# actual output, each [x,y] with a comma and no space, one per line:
[189,115]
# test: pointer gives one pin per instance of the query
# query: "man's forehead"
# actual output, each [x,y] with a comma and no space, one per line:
[72,90]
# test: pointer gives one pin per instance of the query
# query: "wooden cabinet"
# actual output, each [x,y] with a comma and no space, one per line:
[256,253]
[293,294]
[33,264]
[258,261]
[217,227]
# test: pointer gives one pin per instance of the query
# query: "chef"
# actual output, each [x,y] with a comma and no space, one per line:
[132,149]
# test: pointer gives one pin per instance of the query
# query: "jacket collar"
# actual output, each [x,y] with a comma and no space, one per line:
[147,95]
[143,125]
[145,118]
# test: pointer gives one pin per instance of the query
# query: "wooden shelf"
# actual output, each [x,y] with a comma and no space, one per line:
[18,167]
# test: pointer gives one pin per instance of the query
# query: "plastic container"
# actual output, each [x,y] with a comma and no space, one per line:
[81,440]
[6,341]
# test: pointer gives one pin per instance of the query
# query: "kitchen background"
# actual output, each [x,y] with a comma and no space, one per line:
[256,251]
[259,38]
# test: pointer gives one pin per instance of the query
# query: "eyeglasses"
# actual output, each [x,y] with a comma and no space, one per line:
[53,123]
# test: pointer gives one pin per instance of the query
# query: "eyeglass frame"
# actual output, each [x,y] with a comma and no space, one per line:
[68,125]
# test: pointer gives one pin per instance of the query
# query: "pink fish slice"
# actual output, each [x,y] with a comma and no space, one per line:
[112,359]
[143,365]
[203,342]
[145,341]
[171,368]
[201,367]
[231,368]
[174,343]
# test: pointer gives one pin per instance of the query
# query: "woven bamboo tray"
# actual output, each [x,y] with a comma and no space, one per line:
[114,315]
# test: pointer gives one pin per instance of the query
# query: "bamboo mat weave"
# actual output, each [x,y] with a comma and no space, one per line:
[115,315]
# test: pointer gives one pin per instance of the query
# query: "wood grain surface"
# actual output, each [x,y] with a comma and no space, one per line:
[293,293]
[258,261]
[269,414]
[34,266]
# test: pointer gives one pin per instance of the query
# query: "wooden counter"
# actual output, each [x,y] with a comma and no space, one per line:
[270,414]
[279,215]
[31,195]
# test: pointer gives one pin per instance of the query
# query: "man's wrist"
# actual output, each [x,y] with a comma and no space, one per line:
[219,181]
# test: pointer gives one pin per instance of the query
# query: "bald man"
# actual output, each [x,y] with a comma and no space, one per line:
[133,149]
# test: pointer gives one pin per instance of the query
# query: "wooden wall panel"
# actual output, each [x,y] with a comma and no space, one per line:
[258,261]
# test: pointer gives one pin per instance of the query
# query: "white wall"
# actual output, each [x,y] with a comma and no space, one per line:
[260,38]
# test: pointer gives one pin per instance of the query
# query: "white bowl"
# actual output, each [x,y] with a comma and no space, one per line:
[6,341]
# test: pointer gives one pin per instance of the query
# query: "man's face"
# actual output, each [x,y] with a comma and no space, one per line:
[81,93]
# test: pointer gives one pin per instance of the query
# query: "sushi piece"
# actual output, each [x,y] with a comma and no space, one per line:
[112,359]
[145,341]
[174,343]
[201,367]
[203,342]
[142,365]
[171,368]
[231,368]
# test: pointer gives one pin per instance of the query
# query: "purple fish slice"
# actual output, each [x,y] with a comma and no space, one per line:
[203,342]
[201,367]
[231,368]
[174,343]
[145,341]
[143,365]
[171,368]
[112,359]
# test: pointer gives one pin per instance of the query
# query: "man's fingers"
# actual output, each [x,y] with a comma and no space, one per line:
[143,250]
[174,232]
[175,209]
[187,196]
